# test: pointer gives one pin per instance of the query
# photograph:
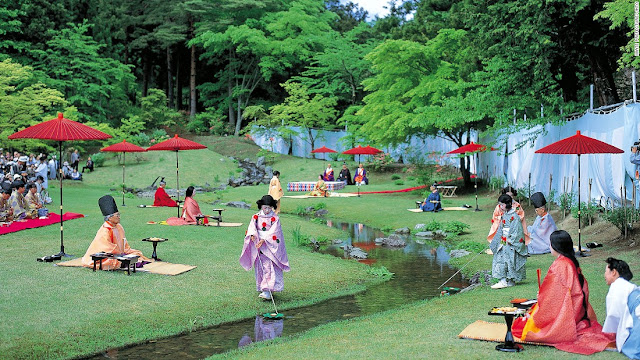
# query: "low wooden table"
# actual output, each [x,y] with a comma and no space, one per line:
[98,258]
[509,345]
[155,242]
[128,262]
[448,191]
[217,218]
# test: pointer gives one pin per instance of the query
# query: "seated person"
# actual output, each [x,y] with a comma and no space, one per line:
[161,198]
[320,188]
[432,202]
[542,227]
[361,176]
[6,212]
[66,170]
[563,316]
[110,237]
[619,320]
[190,210]
[18,203]
[508,246]
[33,200]
[75,175]
[328,174]
[631,346]
[88,166]
[345,175]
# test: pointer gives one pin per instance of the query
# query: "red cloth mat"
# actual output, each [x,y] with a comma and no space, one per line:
[35,223]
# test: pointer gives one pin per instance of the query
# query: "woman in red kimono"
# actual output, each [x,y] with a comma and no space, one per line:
[190,210]
[563,316]
[161,198]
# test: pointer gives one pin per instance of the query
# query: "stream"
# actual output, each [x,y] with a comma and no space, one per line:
[419,270]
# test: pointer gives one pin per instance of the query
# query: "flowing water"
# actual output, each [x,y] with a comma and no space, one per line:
[419,270]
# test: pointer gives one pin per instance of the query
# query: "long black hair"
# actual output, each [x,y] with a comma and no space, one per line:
[189,192]
[562,243]
[620,266]
[507,200]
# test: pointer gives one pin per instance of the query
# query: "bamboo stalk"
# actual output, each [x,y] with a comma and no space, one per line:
[624,207]
[529,190]
[550,182]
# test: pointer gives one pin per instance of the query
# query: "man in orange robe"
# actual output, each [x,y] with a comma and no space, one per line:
[110,237]
[563,316]
[161,198]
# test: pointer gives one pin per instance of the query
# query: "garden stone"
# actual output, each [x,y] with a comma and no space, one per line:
[238,204]
[403,231]
[321,212]
[420,226]
[458,253]
[379,240]
[337,241]
[421,242]
[426,234]
[357,253]
[394,240]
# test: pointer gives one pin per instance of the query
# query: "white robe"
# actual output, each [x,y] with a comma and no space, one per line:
[618,319]
[540,233]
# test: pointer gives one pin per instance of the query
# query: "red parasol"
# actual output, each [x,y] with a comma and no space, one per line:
[176,144]
[359,150]
[579,144]
[323,149]
[123,147]
[370,150]
[60,129]
[472,148]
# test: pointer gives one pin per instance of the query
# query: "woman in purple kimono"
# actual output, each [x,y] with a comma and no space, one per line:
[264,249]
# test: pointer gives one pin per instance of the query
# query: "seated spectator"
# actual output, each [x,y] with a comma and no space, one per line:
[631,346]
[17,201]
[161,198]
[88,166]
[33,200]
[320,188]
[432,202]
[542,227]
[6,212]
[75,175]
[618,321]
[345,175]
[328,173]
[361,176]
[66,170]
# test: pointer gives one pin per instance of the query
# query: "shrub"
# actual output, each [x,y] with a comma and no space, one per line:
[319,221]
[433,226]
[301,210]
[471,246]
[456,227]
[566,201]
[619,217]
[496,182]
[269,157]
[158,135]
[387,229]
[319,206]
[399,182]
[587,211]
[141,139]
[395,177]
[298,238]
[98,159]
[381,271]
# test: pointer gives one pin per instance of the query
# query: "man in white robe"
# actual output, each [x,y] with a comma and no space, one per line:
[542,228]
[619,320]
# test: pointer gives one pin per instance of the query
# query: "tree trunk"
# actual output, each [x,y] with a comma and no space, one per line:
[239,119]
[192,85]
[169,79]
[178,86]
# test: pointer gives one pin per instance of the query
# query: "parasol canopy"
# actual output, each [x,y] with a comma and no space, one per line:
[470,148]
[359,150]
[323,149]
[579,144]
[123,147]
[176,144]
[370,150]
[60,129]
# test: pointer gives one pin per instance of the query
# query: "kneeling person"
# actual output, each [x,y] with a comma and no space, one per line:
[110,237]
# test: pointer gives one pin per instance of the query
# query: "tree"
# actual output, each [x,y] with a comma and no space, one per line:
[24,102]
[302,109]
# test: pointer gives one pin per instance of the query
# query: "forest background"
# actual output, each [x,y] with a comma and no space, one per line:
[139,69]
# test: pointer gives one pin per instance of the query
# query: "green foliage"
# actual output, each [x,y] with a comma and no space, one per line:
[98,159]
[319,206]
[396,177]
[455,227]
[496,182]
[380,271]
[567,201]
[141,139]
[620,217]
[298,238]
[269,157]
[155,112]
[301,210]
[587,211]
[433,226]
[471,246]
[399,182]
[319,221]
[132,126]
[387,229]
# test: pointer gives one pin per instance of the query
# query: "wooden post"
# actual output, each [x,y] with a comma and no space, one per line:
[550,182]
[589,201]
[529,190]
[624,207]
[564,195]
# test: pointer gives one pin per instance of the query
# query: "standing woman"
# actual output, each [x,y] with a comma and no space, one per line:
[264,249]
[563,316]
[508,246]
[497,214]
[275,189]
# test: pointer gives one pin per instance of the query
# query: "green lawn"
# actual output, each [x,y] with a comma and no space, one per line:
[53,312]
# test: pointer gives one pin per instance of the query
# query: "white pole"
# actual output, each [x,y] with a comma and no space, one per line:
[633,81]
[541,110]
[514,116]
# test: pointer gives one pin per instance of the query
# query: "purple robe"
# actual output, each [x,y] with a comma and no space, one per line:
[271,259]
[328,175]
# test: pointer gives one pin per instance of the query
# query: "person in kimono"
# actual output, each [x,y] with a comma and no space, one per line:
[497,215]
[542,227]
[190,211]
[110,238]
[264,249]
[563,316]
[275,189]
[432,202]
[631,346]
[345,175]
[618,321]
[508,246]
[320,188]
[161,198]
[361,176]
[328,173]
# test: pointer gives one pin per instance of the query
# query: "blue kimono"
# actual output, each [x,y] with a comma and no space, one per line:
[540,233]
[631,347]
[509,249]
[432,203]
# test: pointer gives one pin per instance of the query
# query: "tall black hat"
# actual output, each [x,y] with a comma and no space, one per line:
[538,200]
[107,205]
[267,200]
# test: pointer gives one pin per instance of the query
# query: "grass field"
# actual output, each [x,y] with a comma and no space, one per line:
[52,312]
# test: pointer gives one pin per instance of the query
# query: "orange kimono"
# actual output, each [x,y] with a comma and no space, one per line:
[497,215]
[189,212]
[110,239]
[557,317]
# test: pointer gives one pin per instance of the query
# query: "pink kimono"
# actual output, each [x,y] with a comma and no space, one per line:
[271,259]
[189,213]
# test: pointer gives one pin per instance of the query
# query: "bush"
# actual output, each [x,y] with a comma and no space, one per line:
[567,200]
[298,238]
[456,227]
[269,157]
[381,271]
[98,159]
[399,182]
[496,182]
[141,139]
[395,177]
[301,210]
[158,135]
[472,246]
[319,206]
[619,217]
[433,226]
[387,229]
[587,211]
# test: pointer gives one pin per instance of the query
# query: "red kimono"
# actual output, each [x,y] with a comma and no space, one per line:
[189,212]
[161,198]
[557,317]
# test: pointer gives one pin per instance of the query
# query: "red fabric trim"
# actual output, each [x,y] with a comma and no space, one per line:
[35,223]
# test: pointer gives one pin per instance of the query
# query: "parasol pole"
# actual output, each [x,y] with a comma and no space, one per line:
[61,253]
[475,183]
[580,252]
[178,182]
[124,160]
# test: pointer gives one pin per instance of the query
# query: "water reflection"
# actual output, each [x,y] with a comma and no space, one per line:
[419,270]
